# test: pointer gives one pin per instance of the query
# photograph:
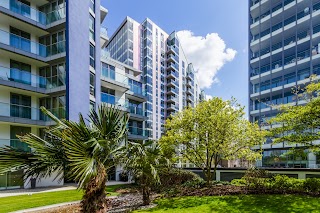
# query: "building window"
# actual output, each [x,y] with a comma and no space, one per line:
[20,106]
[92,84]
[20,72]
[92,3]
[92,28]
[92,56]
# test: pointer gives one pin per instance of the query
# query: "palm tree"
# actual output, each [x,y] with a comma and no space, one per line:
[142,161]
[80,151]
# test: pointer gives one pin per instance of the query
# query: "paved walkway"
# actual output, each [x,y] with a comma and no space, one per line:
[16,192]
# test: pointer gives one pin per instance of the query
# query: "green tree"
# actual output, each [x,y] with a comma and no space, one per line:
[299,123]
[212,131]
[143,161]
[82,152]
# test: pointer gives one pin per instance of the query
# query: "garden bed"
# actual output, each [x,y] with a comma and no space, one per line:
[122,203]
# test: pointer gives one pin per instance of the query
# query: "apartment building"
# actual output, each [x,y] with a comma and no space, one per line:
[284,44]
[49,56]
[167,78]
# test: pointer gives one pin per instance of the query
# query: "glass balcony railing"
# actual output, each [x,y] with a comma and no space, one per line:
[32,13]
[287,21]
[172,98]
[16,143]
[175,90]
[138,131]
[28,112]
[19,76]
[136,110]
[175,74]
[26,45]
[114,100]
[175,83]
[104,31]
[111,74]
[287,79]
[174,57]
[316,29]
[173,48]
[137,90]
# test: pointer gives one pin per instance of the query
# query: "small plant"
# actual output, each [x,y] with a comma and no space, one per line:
[238,182]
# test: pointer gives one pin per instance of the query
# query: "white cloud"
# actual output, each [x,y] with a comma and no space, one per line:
[208,97]
[207,54]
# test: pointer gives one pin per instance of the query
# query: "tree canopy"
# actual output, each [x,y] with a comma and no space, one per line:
[299,123]
[213,131]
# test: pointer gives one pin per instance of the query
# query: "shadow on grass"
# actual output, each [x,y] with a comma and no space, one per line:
[243,203]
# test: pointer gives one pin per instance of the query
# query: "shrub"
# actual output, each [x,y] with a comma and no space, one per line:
[312,185]
[238,182]
[196,183]
[257,178]
[176,177]
[284,183]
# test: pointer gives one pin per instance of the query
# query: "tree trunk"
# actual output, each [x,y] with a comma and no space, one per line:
[208,176]
[94,198]
[146,195]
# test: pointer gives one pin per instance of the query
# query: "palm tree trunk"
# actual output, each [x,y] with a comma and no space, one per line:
[94,198]
[146,195]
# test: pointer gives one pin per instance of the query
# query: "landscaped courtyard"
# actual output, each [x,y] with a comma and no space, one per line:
[238,204]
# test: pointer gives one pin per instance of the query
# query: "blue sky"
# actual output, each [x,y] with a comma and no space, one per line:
[228,18]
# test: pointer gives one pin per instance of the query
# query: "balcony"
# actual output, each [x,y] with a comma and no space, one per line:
[173,58]
[137,113]
[173,49]
[302,16]
[33,14]
[172,107]
[291,60]
[172,91]
[190,76]
[172,99]
[20,45]
[172,83]
[137,93]
[173,66]
[104,38]
[190,98]
[15,113]
[114,80]
[189,92]
[190,83]
[114,100]
[172,75]
[25,80]
[138,133]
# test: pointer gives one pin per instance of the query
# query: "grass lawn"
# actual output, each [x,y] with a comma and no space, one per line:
[238,204]
[14,203]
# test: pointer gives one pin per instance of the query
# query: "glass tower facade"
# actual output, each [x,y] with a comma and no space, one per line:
[284,49]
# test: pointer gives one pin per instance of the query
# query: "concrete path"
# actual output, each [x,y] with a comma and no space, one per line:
[16,192]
